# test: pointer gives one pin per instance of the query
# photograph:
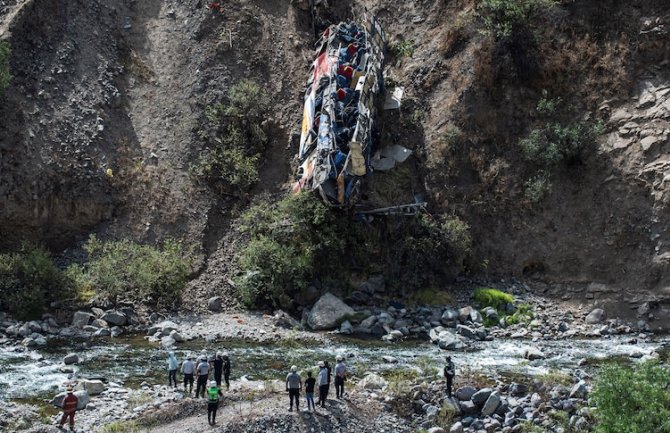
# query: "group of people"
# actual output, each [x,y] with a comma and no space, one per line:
[294,384]
[220,364]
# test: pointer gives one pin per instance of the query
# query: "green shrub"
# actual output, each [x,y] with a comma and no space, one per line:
[554,143]
[633,400]
[291,242]
[5,74]
[125,271]
[235,139]
[537,187]
[401,49]
[502,18]
[523,314]
[28,280]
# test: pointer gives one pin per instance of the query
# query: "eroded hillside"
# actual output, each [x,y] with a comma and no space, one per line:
[100,127]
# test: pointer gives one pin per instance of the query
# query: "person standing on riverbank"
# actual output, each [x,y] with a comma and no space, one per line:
[70,403]
[309,390]
[293,386]
[449,373]
[322,381]
[203,375]
[173,365]
[214,395]
[330,371]
[188,369]
[218,368]
[340,377]
[226,370]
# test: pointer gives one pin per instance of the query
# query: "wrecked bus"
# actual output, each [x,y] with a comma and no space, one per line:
[343,89]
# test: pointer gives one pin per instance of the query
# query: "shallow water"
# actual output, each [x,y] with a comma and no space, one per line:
[131,361]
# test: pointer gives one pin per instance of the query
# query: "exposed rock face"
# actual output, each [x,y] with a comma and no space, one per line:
[327,311]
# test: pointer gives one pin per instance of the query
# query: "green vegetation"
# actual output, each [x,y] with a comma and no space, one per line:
[127,426]
[291,242]
[523,314]
[235,139]
[502,18]
[402,49]
[488,297]
[553,145]
[5,74]
[28,281]
[633,400]
[125,271]
[446,414]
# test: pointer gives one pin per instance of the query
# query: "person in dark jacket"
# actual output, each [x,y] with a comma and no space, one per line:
[218,368]
[309,391]
[330,370]
[226,370]
[69,408]
[340,376]
[449,373]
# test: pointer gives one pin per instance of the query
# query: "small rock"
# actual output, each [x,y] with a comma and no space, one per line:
[214,303]
[597,315]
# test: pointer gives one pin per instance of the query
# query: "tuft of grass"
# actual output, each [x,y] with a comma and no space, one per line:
[127,426]
[489,297]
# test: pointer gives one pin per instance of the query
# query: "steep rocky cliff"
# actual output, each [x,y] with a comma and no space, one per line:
[99,127]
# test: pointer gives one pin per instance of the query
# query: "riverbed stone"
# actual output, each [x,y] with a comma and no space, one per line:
[214,303]
[373,381]
[177,337]
[596,315]
[115,318]
[92,386]
[436,430]
[457,427]
[102,332]
[465,392]
[467,407]
[480,397]
[82,399]
[579,390]
[491,404]
[327,311]
[449,317]
[464,313]
[71,358]
[346,328]
[82,318]
[468,332]
[533,353]
[448,341]
[518,389]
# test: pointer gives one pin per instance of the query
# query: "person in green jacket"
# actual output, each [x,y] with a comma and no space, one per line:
[214,395]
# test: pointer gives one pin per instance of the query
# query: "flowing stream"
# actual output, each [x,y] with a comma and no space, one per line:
[39,374]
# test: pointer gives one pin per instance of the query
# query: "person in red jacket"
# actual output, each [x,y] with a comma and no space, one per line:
[69,408]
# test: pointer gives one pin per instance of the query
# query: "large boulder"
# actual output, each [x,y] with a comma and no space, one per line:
[115,318]
[597,315]
[465,392]
[448,341]
[82,396]
[491,404]
[214,303]
[71,358]
[480,397]
[81,319]
[327,312]
[449,317]
[579,390]
[373,382]
[533,353]
[92,386]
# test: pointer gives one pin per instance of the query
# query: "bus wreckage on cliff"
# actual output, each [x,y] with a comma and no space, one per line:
[342,97]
